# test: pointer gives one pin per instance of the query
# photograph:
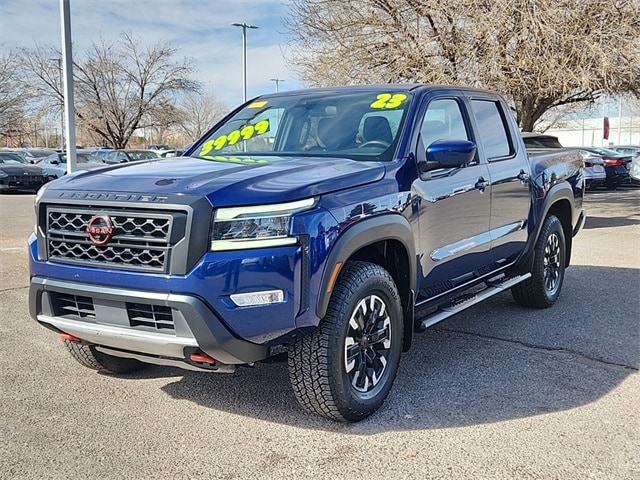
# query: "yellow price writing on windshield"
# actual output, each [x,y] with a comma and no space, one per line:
[245,160]
[231,138]
[388,101]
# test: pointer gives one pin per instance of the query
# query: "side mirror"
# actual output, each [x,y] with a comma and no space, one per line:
[445,154]
[55,162]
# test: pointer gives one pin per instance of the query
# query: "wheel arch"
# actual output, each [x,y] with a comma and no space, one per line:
[558,202]
[385,240]
[562,210]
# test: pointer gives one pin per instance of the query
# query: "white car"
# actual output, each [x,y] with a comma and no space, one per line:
[595,174]
[634,170]
[627,149]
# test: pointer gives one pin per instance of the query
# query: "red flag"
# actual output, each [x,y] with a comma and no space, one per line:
[605,129]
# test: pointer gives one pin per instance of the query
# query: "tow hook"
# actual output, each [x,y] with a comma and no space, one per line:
[70,338]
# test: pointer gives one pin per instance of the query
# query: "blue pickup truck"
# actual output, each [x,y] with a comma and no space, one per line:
[311,226]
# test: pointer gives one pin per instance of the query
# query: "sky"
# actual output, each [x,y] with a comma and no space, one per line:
[200,29]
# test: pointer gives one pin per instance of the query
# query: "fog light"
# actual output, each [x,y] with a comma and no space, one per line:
[267,297]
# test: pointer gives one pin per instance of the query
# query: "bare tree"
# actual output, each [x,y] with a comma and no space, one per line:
[538,53]
[161,119]
[116,84]
[200,111]
[14,95]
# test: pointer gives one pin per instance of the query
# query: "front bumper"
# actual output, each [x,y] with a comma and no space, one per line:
[153,327]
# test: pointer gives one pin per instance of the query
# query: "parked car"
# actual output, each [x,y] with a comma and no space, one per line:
[634,171]
[98,152]
[33,155]
[616,165]
[627,149]
[169,153]
[16,174]
[164,150]
[595,174]
[128,155]
[158,147]
[56,164]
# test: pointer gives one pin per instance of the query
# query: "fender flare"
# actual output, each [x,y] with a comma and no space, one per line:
[557,193]
[367,232]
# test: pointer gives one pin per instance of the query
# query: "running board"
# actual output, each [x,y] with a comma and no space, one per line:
[465,301]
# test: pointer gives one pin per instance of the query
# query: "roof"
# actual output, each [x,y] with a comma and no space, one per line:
[391,87]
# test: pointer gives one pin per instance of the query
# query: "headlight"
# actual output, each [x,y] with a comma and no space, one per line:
[256,226]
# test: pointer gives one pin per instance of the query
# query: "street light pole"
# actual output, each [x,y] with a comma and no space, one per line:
[277,80]
[61,86]
[67,64]
[244,56]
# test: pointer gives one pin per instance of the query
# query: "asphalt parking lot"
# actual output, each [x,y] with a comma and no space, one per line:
[496,392]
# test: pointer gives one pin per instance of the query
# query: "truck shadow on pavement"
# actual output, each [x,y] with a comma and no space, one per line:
[607,222]
[494,362]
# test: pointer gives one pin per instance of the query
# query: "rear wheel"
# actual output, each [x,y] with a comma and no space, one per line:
[89,356]
[345,369]
[542,289]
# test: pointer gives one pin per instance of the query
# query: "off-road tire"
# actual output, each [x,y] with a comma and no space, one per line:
[542,289]
[88,356]
[324,365]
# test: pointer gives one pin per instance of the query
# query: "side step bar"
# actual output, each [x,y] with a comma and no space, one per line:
[467,300]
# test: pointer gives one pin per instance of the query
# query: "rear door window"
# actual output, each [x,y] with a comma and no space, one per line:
[493,132]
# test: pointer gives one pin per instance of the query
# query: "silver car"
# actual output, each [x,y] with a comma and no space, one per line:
[56,164]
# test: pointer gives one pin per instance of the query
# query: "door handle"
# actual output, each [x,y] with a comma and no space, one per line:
[481,184]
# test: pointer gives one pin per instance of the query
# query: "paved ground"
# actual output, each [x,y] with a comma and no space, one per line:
[496,392]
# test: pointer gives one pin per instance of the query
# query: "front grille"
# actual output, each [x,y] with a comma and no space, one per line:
[140,240]
[157,317]
[24,180]
[68,304]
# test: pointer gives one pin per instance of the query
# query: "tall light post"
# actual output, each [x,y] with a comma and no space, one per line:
[244,56]
[277,81]
[60,84]
[67,64]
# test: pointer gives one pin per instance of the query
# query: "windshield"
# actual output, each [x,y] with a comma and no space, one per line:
[142,155]
[357,125]
[606,151]
[11,158]
[80,158]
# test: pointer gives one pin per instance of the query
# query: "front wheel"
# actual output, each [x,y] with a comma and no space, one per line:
[345,369]
[542,289]
[89,356]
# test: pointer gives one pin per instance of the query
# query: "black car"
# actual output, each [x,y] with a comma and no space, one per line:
[33,155]
[16,174]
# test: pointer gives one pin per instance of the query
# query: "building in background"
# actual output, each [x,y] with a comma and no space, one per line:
[591,131]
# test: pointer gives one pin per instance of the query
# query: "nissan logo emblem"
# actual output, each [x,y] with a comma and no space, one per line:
[100,229]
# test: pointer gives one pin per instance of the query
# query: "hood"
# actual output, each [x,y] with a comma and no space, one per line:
[229,180]
[20,169]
